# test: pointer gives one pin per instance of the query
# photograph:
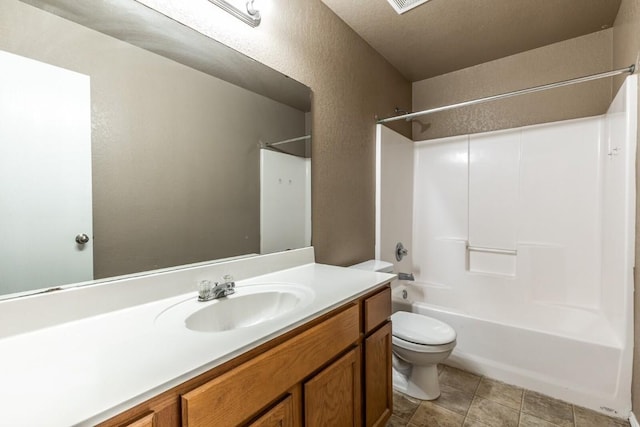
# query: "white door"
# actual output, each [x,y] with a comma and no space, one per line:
[45,175]
[285,201]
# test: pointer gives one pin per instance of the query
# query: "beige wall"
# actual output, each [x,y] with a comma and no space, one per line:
[175,151]
[351,83]
[626,49]
[560,61]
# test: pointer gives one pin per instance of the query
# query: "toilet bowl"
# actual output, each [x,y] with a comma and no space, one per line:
[419,343]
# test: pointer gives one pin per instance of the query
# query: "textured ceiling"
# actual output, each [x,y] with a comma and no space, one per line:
[447,35]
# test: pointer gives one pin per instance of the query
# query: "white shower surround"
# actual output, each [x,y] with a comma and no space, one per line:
[557,317]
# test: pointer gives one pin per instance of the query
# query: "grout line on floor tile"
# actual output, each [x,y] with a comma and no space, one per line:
[478,385]
[473,397]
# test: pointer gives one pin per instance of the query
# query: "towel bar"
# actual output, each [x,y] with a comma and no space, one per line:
[492,250]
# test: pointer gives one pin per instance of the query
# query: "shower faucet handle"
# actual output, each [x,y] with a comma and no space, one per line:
[401,251]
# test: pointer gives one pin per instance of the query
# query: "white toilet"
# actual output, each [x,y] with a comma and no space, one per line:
[419,343]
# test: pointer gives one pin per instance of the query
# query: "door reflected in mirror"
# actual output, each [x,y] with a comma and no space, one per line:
[157,162]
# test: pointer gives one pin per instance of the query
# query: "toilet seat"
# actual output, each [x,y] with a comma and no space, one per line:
[422,348]
[421,331]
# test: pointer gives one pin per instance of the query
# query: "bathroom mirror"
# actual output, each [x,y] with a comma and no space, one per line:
[129,143]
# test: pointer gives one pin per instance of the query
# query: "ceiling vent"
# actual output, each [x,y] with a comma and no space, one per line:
[402,6]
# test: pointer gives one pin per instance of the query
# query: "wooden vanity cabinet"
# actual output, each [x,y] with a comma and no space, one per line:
[332,371]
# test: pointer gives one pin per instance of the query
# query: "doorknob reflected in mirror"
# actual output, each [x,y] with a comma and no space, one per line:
[81,239]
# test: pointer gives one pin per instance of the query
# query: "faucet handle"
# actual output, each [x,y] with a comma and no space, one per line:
[205,289]
[228,284]
[227,279]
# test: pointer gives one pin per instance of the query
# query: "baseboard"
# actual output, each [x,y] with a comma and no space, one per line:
[633,420]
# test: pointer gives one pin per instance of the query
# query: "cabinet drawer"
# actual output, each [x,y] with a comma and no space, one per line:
[233,397]
[377,309]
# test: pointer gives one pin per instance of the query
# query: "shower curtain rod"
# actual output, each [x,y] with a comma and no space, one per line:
[300,138]
[630,69]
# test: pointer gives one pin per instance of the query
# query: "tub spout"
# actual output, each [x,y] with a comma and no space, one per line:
[406,276]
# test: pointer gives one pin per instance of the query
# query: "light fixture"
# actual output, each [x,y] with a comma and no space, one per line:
[402,6]
[251,17]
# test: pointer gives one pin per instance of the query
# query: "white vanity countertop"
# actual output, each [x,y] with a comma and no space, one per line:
[85,371]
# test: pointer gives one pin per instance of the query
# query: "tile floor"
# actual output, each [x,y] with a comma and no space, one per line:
[468,400]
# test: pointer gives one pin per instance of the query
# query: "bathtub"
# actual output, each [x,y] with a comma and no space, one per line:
[510,343]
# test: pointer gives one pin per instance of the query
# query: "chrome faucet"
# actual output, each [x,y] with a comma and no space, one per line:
[208,291]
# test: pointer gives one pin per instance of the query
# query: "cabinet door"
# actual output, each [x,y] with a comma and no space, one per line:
[332,397]
[146,421]
[377,379]
[280,415]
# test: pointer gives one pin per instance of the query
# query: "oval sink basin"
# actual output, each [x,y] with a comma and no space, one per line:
[251,305]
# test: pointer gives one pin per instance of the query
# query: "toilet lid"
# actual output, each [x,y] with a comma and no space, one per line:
[421,329]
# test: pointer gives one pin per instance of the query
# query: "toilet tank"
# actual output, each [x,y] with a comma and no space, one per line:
[375,265]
